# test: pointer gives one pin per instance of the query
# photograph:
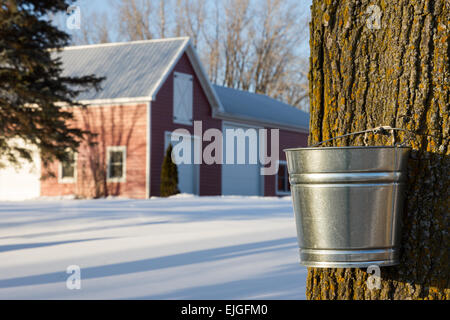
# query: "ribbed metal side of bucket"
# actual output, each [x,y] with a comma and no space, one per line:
[347,204]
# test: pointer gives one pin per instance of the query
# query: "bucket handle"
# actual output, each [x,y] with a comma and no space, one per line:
[380,130]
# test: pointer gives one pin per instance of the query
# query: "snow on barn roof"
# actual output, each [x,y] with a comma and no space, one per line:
[135,71]
[247,106]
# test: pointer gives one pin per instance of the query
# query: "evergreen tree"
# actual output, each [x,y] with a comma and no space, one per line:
[169,175]
[32,88]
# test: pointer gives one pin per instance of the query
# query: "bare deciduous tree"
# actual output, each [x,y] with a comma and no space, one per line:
[212,50]
[261,49]
[236,43]
[190,19]
[162,18]
[275,43]
[134,19]
[293,88]
[102,28]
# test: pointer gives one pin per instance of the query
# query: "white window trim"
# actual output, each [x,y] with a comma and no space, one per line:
[123,149]
[182,121]
[277,192]
[66,179]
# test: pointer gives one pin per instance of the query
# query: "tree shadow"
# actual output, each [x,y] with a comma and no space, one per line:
[75,231]
[277,284]
[170,261]
[22,246]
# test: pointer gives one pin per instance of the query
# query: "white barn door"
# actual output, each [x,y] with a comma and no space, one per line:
[241,179]
[188,174]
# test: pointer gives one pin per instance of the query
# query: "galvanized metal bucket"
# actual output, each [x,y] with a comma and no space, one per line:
[348,204]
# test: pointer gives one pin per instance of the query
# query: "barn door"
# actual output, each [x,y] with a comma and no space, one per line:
[240,179]
[182,98]
[188,173]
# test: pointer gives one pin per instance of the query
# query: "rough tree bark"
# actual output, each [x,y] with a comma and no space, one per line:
[388,65]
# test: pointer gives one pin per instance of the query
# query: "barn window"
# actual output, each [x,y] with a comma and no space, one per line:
[182,98]
[116,160]
[283,186]
[67,169]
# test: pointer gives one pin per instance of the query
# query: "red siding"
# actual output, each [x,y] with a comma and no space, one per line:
[115,126]
[288,139]
[162,121]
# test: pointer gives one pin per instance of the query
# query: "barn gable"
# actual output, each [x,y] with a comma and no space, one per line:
[200,179]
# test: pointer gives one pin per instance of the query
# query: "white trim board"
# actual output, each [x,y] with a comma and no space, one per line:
[112,44]
[148,162]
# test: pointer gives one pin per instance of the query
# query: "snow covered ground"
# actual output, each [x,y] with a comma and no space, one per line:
[184,247]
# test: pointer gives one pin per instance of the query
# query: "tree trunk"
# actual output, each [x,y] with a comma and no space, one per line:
[379,63]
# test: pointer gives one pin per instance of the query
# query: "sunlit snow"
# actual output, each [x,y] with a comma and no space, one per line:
[183,247]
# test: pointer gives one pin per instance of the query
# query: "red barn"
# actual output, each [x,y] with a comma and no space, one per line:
[153,88]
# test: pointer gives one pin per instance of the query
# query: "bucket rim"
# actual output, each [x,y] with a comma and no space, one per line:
[346,147]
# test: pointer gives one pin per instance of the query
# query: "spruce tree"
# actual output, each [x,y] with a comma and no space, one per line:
[169,175]
[32,88]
